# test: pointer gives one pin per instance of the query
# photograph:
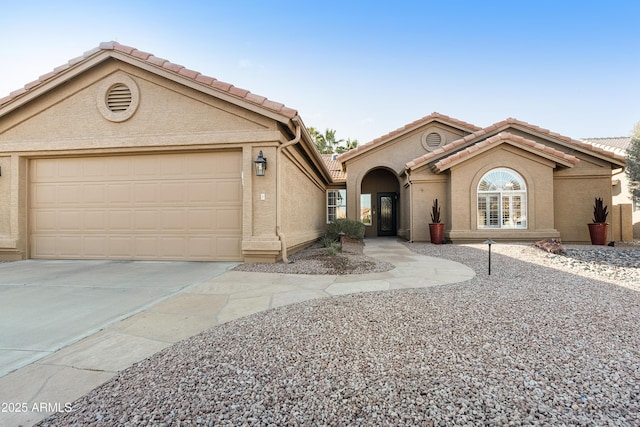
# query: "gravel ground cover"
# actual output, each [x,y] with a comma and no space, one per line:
[316,259]
[544,340]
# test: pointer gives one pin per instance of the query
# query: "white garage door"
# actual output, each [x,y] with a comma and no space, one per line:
[185,206]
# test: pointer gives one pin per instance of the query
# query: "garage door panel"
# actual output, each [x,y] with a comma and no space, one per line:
[173,220]
[228,191]
[228,248]
[43,195]
[70,221]
[120,247]
[67,246]
[94,221]
[168,206]
[146,220]
[201,220]
[120,220]
[93,194]
[145,192]
[228,220]
[95,246]
[172,192]
[119,193]
[145,247]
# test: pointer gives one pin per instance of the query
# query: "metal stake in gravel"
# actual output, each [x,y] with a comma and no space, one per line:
[489,242]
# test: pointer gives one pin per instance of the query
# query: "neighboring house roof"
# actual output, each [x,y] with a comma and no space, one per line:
[226,88]
[405,129]
[617,144]
[334,167]
[486,134]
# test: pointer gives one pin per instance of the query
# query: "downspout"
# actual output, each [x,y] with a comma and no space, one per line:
[411,230]
[278,190]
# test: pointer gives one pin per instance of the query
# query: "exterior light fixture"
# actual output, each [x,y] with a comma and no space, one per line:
[261,164]
[489,242]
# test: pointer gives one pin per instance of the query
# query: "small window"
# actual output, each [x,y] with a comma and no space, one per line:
[365,209]
[636,202]
[502,200]
[336,205]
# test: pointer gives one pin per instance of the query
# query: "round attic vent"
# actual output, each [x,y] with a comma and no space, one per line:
[118,97]
[432,140]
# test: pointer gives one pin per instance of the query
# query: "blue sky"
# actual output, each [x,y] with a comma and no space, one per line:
[366,68]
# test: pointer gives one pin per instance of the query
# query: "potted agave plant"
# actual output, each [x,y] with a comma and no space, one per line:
[598,229]
[436,228]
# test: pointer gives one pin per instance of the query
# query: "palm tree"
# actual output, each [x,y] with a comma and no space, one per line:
[327,143]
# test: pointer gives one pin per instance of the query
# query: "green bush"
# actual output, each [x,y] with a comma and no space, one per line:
[327,241]
[352,229]
[334,249]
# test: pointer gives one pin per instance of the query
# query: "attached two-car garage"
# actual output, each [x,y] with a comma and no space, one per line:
[178,206]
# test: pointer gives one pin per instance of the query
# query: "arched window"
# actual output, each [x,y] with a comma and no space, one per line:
[502,200]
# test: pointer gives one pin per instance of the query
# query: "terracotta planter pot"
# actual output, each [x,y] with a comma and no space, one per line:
[598,233]
[437,232]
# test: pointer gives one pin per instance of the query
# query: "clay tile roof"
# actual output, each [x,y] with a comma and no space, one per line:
[334,167]
[495,140]
[617,144]
[424,120]
[546,132]
[195,76]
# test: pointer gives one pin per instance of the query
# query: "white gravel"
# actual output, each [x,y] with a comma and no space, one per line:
[544,340]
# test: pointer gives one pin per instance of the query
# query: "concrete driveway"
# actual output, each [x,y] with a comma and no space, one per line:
[47,305]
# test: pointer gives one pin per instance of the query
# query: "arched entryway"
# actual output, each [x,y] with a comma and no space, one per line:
[379,206]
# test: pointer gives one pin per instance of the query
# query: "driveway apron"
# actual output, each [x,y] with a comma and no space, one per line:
[47,305]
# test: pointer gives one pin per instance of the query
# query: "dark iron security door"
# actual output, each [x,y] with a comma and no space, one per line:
[387,214]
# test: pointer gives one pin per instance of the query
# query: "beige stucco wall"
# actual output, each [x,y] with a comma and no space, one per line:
[575,192]
[303,213]
[538,176]
[169,118]
[425,187]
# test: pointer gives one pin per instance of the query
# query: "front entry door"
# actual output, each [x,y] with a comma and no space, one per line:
[387,214]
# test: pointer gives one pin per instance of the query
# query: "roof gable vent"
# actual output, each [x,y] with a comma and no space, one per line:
[432,140]
[119,98]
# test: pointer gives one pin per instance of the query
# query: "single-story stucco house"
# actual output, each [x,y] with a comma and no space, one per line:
[119,154]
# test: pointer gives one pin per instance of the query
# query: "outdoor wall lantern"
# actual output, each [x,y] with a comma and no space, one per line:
[261,164]
[489,242]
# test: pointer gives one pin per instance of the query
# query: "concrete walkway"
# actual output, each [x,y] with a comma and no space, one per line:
[47,385]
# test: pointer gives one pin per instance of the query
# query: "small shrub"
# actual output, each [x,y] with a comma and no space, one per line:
[334,249]
[352,229]
[599,211]
[327,241]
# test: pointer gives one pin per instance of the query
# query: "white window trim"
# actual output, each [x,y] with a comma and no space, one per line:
[511,223]
[341,204]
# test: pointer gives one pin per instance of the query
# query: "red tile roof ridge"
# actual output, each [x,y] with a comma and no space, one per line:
[167,65]
[502,136]
[408,126]
[564,138]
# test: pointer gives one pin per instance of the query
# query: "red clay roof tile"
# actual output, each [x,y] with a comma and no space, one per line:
[153,60]
[443,163]
[416,123]
[188,73]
